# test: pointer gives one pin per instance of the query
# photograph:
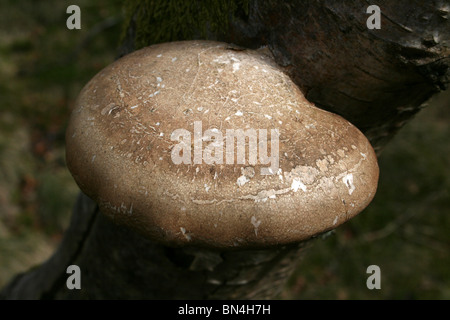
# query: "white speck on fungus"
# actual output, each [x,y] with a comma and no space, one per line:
[348,181]
[335,220]
[255,222]
[186,235]
[297,184]
[242,180]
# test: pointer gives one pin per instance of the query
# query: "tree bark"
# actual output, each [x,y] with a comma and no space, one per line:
[377,79]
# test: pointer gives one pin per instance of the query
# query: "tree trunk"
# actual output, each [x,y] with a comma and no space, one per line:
[117,263]
[377,79]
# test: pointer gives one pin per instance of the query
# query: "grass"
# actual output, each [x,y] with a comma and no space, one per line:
[43,66]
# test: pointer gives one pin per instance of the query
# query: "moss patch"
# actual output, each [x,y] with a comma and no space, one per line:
[171,20]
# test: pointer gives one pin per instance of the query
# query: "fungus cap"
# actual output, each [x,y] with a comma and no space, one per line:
[201,143]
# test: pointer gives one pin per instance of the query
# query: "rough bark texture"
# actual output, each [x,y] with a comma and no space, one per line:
[376,79]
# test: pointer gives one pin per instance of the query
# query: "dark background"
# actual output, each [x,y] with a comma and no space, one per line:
[43,66]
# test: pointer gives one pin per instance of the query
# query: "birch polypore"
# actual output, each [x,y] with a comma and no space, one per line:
[202,143]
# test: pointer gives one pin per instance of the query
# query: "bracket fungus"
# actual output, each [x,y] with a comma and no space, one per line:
[203,143]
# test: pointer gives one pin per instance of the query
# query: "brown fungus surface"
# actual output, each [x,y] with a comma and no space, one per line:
[202,143]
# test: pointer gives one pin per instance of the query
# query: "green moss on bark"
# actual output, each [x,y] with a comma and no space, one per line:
[159,21]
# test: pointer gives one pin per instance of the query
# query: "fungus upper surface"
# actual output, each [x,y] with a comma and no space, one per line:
[154,139]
